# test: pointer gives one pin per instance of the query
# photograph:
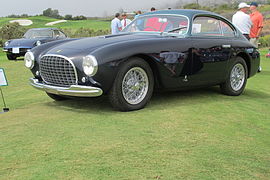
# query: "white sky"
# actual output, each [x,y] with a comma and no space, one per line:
[80,7]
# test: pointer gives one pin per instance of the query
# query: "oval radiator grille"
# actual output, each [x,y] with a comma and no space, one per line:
[57,70]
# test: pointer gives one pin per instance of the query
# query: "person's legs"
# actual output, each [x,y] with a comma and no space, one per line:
[255,42]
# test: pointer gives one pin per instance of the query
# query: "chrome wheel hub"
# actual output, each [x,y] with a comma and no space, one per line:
[237,77]
[135,85]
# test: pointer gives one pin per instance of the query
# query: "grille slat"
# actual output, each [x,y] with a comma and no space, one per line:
[56,70]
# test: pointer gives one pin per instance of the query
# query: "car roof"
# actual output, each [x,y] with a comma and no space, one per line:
[187,12]
[44,29]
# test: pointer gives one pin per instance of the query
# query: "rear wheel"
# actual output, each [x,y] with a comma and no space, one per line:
[56,97]
[237,79]
[11,57]
[133,86]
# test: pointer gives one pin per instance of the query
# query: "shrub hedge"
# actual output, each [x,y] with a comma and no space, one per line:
[265,41]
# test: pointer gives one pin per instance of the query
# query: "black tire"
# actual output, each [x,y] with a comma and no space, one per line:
[143,84]
[227,87]
[56,97]
[11,57]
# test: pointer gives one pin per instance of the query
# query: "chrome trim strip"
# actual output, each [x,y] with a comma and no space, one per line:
[73,90]
[5,50]
[66,58]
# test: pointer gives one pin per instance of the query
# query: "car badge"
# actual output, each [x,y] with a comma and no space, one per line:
[59,51]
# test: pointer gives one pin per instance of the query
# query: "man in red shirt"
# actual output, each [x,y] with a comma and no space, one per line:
[255,31]
[257,20]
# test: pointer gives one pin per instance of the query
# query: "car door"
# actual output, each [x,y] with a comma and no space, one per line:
[212,48]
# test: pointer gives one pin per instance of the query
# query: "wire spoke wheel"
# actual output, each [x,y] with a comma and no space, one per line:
[135,85]
[237,77]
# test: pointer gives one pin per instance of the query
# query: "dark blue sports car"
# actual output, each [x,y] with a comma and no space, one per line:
[159,51]
[33,37]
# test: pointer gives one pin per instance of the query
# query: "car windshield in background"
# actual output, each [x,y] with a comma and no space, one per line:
[159,23]
[33,34]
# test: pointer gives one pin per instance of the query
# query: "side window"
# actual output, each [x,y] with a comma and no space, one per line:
[59,34]
[227,30]
[56,33]
[62,35]
[206,26]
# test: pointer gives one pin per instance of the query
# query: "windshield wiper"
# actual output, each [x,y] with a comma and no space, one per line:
[177,29]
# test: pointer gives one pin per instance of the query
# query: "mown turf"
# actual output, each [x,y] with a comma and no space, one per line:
[198,134]
[40,21]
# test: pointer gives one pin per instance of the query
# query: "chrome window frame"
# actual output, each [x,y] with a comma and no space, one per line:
[220,19]
[188,26]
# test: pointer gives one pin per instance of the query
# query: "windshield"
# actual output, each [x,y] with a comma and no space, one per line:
[159,23]
[32,34]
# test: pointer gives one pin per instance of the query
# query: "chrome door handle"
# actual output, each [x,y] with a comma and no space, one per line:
[226,46]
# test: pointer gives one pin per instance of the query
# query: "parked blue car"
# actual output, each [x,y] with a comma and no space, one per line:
[33,37]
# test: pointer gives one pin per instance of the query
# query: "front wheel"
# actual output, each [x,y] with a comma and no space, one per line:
[237,79]
[11,57]
[133,86]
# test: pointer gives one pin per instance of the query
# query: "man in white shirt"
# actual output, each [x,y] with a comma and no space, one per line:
[116,25]
[125,21]
[242,20]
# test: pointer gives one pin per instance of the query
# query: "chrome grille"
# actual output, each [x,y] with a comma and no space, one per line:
[57,70]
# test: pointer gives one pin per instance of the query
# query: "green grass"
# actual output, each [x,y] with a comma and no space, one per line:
[199,134]
[265,8]
[40,21]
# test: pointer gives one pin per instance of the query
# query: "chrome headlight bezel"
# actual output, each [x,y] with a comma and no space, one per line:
[6,43]
[90,65]
[29,60]
[38,43]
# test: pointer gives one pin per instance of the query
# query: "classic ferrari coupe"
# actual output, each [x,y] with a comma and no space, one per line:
[162,50]
[33,37]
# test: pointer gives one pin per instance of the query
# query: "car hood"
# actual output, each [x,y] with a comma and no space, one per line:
[85,46]
[23,42]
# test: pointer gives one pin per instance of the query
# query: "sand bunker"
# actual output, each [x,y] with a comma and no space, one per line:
[55,22]
[22,22]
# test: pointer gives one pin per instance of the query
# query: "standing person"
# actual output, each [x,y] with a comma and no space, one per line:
[138,14]
[257,20]
[116,25]
[139,23]
[255,32]
[242,20]
[125,21]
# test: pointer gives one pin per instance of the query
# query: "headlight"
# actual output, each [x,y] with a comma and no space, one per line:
[29,60]
[38,43]
[6,43]
[90,65]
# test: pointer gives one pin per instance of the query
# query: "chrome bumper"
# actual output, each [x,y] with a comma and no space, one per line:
[73,90]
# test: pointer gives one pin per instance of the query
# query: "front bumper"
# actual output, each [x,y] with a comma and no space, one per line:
[21,50]
[73,90]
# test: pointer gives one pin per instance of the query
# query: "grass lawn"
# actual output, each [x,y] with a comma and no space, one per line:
[40,21]
[198,134]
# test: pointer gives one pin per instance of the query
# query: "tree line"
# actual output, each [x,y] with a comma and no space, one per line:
[53,13]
